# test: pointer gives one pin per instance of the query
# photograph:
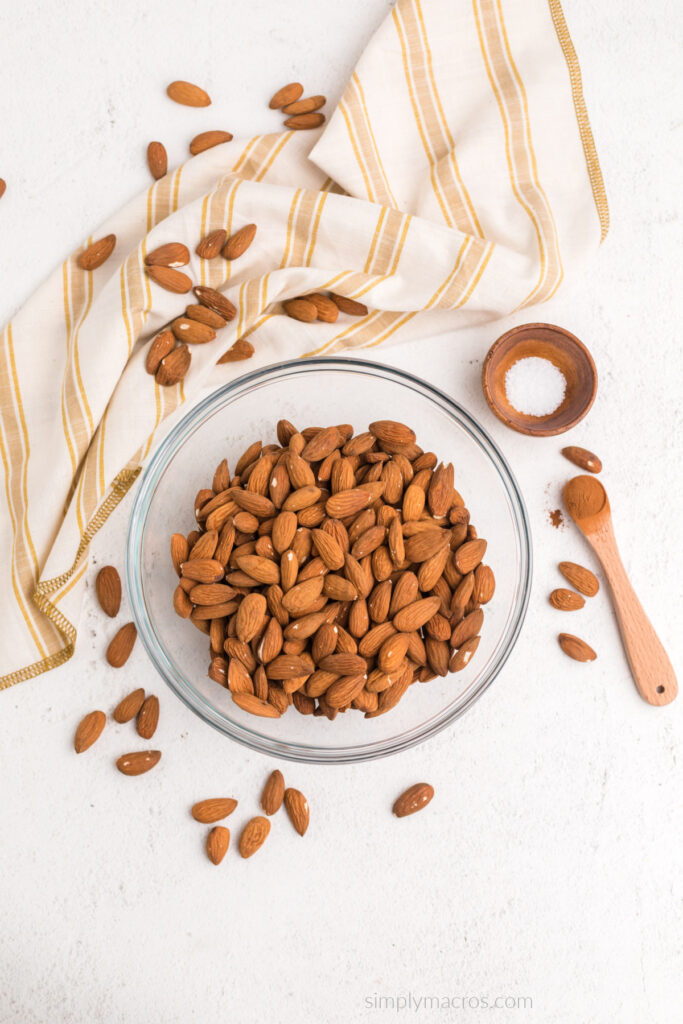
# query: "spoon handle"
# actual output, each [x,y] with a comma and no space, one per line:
[652,671]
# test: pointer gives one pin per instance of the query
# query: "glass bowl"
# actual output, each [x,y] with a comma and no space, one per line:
[319,392]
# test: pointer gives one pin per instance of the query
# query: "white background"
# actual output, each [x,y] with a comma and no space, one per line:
[549,864]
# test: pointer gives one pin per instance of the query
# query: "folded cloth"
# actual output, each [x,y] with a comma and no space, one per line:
[456,181]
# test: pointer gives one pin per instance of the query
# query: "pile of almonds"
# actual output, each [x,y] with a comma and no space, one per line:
[332,571]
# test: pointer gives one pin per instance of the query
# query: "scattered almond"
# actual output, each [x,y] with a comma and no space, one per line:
[297,809]
[157,160]
[161,346]
[174,366]
[301,122]
[121,645]
[169,279]
[217,843]
[242,349]
[349,306]
[207,140]
[127,709]
[306,106]
[273,792]
[254,835]
[413,799]
[581,579]
[148,717]
[211,245]
[287,94]
[216,301]
[3,187]
[108,590]
[238,243]
[172,254]
[575,648]
[139,762]
[89,729]
[213,809]
[566,600]
[97,253]
[192,331]
[188,94]
[582,458]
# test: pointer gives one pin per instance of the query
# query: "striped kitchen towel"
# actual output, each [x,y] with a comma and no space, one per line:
[456,181]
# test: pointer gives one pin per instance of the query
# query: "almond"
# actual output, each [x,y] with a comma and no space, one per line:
[242,349]
[217,843]
[97,253]
[347,503]
[580,578]
[188,94]
[343,664]
[127,709]
[207,140]
[464,654]
[349,306]
[440,493]
[273,792]
[173,367]
[329,550]
[202,570]
[250,617]
[288,666]
[576,648]
[566,600]
[469,555]
[297,808]
[212,593]
[321,445]
[157,160]
[169,279]
[172,254]
[121,645]
[180,550]
[413,799]
[211,245]
[344,690]
[306,106]
[204,315]
[148,717]
[415,615]
[297,600]
[192,332]
[484,584]
[89,729]
[139,762]
[467,628]
[254,835]
[206,812]
[287,94]
[238,243]
[161,346]
[301,122]
[328,311]
[392,431]
[108,589]
[216,301]
[582,458]
[3,187]
[301,309]
[204,547]
[423,545]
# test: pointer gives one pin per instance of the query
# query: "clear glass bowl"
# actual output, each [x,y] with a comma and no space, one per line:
[319,392]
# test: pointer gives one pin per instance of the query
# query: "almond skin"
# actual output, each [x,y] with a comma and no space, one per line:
[211,245]
[214,809]
[581,579]
[148,717]
[413,799]
[566,600]
[188,94]
[582,458]
[238,243]
[204,315]
[139,762]
[174,366]
[392,431]
[254,835]
[127,709]
[416,615]
[217,843]
[192,332]
[328,311]
[349,306]
[287,94]
[306,106]
[242,349]
[484,584]
[108,590]
[97,253]
[157,160]
[469,555]
[576,648]
[169,279]
[121,645]
[273,793]
[301,309]
[216,301]
[207,140]
[161,346]
[89,729]
[302,122]
[297,809]
[172,254]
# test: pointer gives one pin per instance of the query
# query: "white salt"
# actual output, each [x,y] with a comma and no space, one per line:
[534,386]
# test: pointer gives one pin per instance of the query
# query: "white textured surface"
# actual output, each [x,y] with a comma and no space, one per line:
[549,862]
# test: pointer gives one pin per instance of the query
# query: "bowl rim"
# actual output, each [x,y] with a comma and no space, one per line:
[150,478]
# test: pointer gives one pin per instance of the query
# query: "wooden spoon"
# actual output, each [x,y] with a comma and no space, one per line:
[588,505]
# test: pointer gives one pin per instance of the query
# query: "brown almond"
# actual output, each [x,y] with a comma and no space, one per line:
[467,628]
[188,94]
[469,555]
[216,301]
[169,279]
[242,349]
[288,666]
[97,253]
[108,590]
[148,717]
[413,503]
[305,106]
[329,550]
[273,792]
[202,570]
[582,458]
[343,664]
[297,809]
[204,315]
[566,600]
[121,645]
[576,648]
[161,346]
[3,187]
[89,729]
[328,311]
[349,306]
[207,140]
[254,835]
[180,550]
[217,843]
[287,94]
[127,709]
[255,705]
[191,331]
[173,367]
[392,431]
[581,579]
[347,503]
[302,122]
[464,654]
[484,584]
[416,615]
[297,600]
[413,799]
[250,617]
[206,812]
[322,444]
[211,244]
[157,160]
[301,309]
[440,493]
[172,254]
[139,762]
[212,593]
[238,243]
[424,544]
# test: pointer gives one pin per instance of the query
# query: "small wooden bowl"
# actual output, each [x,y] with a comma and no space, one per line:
[561,348]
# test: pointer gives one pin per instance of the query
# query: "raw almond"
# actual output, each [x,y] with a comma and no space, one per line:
[192,332]
[576,648]
[188,94]
[297,808]
[329,550]
[108,589]
[127,709]
[172,254]
[250,616]
[413,799]
[392,431]
[139,762]
[254,835]
[297,600]
[440,493]
[306,106]
[207,140]
[97,253]
[204,315]
[321,445]
[217,843]
[301,309]
[464,654]
[349,306]
[469,555]
[423,545]
[566,600]
[214,809]
[415,615]
[173,367]
[238,243]
[288,666]
[255,705]
[484,584]
[301,122]
[89,729]
[148,717]
[121,645]
[347,503]
[216,301]
[343,664]
[169,279]
[581,579]
[273,793]
[287,94]
[242,349]
[180,550]
[328,311]
[157,160]
[211,245]
[582,458]
[161,346]
[202,570]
